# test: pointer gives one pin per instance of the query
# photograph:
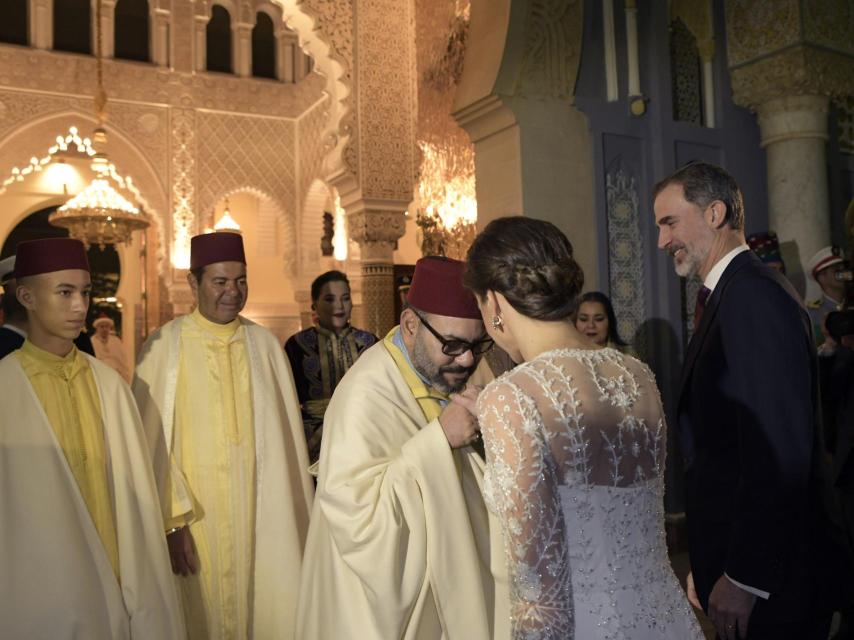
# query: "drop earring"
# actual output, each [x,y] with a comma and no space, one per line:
[496,322]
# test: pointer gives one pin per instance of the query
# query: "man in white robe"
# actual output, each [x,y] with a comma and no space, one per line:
[399,541]
[108,346]
[220,409]
[82,553]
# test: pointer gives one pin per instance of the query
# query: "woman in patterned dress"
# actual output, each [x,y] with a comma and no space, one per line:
[575,442]
[322,354]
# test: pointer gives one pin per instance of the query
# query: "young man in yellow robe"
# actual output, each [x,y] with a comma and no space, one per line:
[82,553]
[399,543]
[220,409]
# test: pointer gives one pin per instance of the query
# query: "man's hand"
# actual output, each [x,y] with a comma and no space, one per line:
[458,419]
[182,552]
[691,592]
[730,607]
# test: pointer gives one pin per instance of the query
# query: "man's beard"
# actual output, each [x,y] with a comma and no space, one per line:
[689,266]
[434,373]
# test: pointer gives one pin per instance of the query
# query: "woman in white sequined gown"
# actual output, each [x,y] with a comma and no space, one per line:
[575,442]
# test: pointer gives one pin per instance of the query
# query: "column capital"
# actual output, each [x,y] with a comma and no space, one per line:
[792,117]
[800,71]
[376,231]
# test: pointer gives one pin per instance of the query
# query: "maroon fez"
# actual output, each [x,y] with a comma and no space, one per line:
[34,257]
[437,287]
[219,246]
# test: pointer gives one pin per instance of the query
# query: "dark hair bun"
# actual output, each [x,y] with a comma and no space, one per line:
[530,263]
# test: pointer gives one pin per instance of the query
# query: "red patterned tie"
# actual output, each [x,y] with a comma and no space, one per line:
[702,296]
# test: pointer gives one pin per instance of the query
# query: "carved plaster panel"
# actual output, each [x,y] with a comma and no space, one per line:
[801,70]
[312,148]
[758,28]
[126,81]
[241,152]
[183,171]
[830,23]
[334,22]
[552,48]
[387,101]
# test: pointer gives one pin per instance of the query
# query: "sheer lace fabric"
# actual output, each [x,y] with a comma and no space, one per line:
[575,444]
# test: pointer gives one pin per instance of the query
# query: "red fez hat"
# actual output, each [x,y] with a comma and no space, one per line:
[437,287]
[48,255]
[219,246]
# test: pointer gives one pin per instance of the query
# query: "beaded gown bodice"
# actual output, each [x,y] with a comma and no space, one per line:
[575,443]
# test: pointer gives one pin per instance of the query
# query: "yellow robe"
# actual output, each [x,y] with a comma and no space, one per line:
[399,541]
[67,392]
[78,507]
[220,410]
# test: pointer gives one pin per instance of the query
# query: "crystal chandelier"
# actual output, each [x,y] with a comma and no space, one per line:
[226,222]
[99,214]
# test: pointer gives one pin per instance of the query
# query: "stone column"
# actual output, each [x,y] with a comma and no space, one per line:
[108,29]
[787,76]
[376,231]
[200,53]
[794,132]
[160,37]
[242,50]
[41,24]
[288,48]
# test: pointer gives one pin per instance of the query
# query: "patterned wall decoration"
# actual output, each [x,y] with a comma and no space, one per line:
[552,48]
[757,28]
[248,153]
[385,31]
[625,250]
[312,147]
[685,74]
[183,184]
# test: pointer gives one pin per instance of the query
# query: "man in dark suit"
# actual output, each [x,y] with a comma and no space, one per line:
[748,421]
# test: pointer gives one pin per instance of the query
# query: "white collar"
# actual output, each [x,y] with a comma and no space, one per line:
[717,271]
[12,327]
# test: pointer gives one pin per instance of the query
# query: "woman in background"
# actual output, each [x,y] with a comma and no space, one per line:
[596,320]
[322,354]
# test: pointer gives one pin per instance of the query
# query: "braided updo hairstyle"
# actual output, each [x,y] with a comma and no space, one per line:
[530,263]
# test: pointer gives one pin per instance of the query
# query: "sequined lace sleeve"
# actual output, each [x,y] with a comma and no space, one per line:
[524,494]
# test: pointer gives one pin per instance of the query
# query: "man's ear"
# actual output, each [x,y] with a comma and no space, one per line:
[716,214]
[194,284]
[25,296]
[408,322]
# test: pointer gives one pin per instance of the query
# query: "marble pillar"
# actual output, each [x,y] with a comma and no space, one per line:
[160,37]
[794,132]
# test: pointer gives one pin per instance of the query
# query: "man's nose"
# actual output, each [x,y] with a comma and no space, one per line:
[466,358]
[663,238]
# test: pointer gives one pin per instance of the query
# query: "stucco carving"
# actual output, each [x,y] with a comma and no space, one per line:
[183,180]
[757,28]
[830,23]
[376,231]
[552,48]
[385,31]
[697,16]
[127,81]
[845,123]
[801,70]
[312,147]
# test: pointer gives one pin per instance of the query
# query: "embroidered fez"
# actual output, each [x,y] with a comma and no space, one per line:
[437,287]
[34,257]
[219,246]
[823,259]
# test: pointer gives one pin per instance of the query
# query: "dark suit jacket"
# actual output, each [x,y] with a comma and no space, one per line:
[749,421]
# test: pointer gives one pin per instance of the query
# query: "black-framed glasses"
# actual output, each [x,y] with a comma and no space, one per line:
[454,347]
